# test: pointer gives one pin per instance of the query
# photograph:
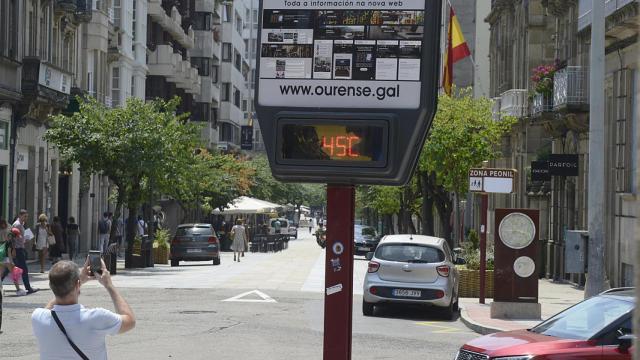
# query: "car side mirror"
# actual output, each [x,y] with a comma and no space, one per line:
[369,255]
[625,342]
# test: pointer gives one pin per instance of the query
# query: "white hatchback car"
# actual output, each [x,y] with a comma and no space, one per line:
[411,269]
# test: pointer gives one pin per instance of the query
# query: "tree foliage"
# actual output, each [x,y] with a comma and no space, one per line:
[141,147]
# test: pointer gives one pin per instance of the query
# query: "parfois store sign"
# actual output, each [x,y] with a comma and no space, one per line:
[564,165]
[337,53]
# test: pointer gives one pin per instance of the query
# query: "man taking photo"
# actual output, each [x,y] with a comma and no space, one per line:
[67,330]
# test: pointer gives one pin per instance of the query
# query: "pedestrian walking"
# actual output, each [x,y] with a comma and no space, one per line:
[6,260]
[43,240]
[65,329]
[73,238]
[142,226]
[104,229]
[20,259]
[57,247]
[239,236]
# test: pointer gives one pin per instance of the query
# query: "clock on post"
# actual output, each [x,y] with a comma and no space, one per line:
[516,259]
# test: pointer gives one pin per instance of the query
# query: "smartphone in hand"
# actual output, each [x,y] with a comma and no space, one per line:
[95,262]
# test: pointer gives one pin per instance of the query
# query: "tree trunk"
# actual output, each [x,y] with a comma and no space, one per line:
[133,204]
[116,214]
[428,227]
[444,213]
[408,214]
[388,224]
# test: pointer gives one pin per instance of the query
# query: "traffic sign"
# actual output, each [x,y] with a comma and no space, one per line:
[486,180]
[346,90]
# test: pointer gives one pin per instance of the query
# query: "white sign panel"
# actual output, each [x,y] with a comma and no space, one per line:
[22,158]
[498,181]
[341,53]
[54,79]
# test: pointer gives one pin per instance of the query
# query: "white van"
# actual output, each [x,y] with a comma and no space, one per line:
[282,226]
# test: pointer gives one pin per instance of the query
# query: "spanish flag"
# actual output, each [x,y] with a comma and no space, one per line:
[457,50]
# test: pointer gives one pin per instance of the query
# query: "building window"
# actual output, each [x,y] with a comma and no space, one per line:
[133,27]
[115,86]
[4,133]
[236,97]
[214,74]
[237,59]
[227,10]
[238,24]
[202,64]
[244,105]
[621,112]
[202,21]
[226,52]
[8,29]
[133,86]
[255,16]
[225,92]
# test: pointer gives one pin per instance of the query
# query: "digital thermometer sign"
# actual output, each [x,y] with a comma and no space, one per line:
[357,143]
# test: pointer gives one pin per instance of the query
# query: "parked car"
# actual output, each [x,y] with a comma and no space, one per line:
[195,242]
[365,239]
[596,328]
[284,227]
[411,269]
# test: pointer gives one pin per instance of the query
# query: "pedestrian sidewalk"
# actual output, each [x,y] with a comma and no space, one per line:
[554,297]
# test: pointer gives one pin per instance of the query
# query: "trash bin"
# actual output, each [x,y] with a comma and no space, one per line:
[146,250]
[111,258]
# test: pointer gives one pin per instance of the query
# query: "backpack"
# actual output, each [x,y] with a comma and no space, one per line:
[103,226]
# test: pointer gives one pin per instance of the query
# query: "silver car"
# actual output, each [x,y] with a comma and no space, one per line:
[411,269]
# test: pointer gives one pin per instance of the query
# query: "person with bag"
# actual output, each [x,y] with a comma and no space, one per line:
[20,259]
[239,236]
[58,238]
[65,329]
[44,239]
[6,260]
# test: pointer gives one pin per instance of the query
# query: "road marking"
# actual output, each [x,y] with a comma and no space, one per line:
[264,297]
[441,328]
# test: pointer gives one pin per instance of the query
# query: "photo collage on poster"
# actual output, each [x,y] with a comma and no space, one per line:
[342,44]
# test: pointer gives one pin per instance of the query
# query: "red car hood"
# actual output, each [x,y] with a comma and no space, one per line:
[520,342]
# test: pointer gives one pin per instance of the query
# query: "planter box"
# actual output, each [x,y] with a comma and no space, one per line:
[470,283]
[137,261]
[160,256]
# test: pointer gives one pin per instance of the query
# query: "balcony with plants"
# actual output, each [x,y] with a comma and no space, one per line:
[541,103]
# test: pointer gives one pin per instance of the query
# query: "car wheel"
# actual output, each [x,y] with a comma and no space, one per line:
[448,312]
[456,306]
[367,308]
[174,262]
[216,261]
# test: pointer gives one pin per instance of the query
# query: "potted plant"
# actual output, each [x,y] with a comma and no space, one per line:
[161,247]
[470,272]
[542,78]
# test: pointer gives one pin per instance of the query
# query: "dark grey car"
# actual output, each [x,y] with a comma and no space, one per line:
[195,242]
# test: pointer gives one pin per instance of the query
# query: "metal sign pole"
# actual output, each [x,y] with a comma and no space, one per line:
[338,298]
[483,244]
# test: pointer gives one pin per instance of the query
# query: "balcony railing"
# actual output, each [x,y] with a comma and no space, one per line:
[585,7]
[541,104]
[46,81]
[67,5]
[514,102]
[571,87]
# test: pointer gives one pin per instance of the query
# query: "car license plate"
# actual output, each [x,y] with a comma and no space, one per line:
[407,293]
[194,250]
[364,249]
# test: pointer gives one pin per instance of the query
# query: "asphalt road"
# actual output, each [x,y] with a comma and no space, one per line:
[196,312]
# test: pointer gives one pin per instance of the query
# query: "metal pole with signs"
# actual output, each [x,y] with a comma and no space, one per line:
[485,181]
[346,92]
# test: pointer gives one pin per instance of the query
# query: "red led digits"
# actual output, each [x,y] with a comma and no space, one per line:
[340,146]
[327,146]
[352,141]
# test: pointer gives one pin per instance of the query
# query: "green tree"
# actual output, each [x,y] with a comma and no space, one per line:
[462,136]
[140,147]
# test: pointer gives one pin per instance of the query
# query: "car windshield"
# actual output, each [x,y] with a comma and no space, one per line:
[409,253]
[196,230]
[586,319]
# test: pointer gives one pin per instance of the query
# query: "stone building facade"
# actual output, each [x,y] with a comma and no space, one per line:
[558,122]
